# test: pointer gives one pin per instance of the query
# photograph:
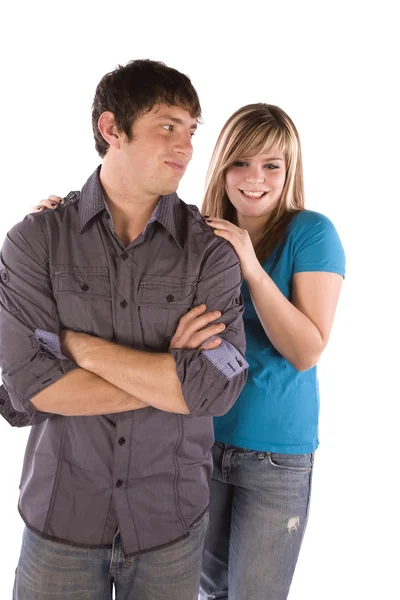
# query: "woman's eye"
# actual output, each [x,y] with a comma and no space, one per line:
[239,163]
[271,167]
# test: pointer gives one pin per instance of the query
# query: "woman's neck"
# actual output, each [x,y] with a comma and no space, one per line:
[254,225]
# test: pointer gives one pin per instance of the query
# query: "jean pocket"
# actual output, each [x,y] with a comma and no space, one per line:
[219,445]
[292,462]
[199,521]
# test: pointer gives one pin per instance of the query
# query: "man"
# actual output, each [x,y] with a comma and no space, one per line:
[99,351]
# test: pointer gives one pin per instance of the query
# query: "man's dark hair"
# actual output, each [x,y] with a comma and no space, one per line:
[131,90]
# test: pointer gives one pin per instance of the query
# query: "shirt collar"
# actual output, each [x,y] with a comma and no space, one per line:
[169,211]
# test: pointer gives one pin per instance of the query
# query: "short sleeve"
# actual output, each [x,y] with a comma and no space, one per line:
[317,245]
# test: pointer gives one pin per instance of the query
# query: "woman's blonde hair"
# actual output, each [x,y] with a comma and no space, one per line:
[251,130]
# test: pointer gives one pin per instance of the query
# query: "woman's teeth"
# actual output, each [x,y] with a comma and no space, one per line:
[252,194]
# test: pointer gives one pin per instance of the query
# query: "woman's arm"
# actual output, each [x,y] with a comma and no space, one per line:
[298,329]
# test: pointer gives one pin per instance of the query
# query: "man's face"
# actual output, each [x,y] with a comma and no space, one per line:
[156,158]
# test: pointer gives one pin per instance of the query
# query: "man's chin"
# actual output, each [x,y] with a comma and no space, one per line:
[169,188]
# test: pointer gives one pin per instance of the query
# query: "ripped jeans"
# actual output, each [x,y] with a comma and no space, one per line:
[258,515]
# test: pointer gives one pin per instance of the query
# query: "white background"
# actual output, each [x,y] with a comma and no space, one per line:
[333,67]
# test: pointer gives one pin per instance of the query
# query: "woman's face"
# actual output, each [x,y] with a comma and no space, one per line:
[254,184]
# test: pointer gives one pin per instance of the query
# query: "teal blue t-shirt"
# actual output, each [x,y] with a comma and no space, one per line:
[278,408]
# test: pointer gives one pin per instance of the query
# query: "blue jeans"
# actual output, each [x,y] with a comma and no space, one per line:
[258,515]
[51,570]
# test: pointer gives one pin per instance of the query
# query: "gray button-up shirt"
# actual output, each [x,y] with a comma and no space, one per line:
[144,471]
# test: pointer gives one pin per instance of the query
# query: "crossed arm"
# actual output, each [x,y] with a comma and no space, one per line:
[101,377]
[114,378]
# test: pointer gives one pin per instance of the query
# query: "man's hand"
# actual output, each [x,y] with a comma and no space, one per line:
[194,330]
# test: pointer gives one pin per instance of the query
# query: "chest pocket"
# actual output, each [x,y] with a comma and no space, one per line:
[162,302]
[83,296]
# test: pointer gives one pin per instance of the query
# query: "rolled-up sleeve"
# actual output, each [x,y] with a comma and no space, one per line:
[27,306]
[8,412]
[213,379]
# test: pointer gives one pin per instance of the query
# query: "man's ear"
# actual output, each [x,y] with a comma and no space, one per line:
[109,130]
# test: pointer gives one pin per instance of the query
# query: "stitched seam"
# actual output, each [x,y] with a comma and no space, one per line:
[57,477]
[106,518]
[126,492]
[47,238]
[177,473]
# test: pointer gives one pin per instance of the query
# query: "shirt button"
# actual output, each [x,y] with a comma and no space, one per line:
[12,414]
[170,298]
[4,276]
[124,256]
[84,287]
[121,441]
[123,304]
[119,483]
[237,300]
[107,216]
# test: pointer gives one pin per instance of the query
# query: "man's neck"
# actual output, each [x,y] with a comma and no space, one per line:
[130,208]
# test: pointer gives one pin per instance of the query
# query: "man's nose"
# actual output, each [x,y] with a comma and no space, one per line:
[184,145]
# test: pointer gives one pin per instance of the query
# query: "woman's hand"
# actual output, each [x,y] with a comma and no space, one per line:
[240,240]
[52,202]
[194,330]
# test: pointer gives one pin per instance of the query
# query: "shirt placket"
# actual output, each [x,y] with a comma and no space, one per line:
[123,334]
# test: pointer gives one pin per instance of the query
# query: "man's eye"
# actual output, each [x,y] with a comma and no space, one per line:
[168,127]
[192,134]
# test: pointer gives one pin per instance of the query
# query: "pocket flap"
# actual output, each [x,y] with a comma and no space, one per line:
[166,292]
[84,282]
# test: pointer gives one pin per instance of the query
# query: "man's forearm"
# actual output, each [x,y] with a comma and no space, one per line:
[81,393]
[150,377]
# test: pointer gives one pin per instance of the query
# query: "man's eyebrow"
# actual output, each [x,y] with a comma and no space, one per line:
[176,120]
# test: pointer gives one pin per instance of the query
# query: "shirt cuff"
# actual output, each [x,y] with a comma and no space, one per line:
[8,412]
[51,342]
[226,358]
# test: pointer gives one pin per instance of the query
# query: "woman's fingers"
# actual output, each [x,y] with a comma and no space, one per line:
[41,206]
[51,202]
[221,225]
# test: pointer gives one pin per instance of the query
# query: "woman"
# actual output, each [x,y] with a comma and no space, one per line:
[293,266]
